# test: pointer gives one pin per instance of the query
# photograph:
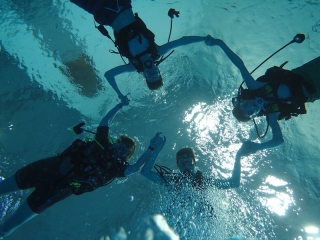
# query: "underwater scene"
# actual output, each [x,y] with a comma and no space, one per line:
[53,61]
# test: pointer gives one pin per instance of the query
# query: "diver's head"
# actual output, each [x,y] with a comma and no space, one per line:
[125,147]
[186,160]
[151,72]
[246,109]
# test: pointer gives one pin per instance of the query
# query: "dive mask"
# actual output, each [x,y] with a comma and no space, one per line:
[185,163]
[151,71]
[251,107]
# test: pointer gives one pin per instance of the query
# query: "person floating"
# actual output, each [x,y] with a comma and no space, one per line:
[279,94]
[82,167]
[188,173]
[133,40]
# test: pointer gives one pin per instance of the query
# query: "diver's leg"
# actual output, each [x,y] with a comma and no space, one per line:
[312,62]
[19,217]
[29,175]
[311,73]
[9,185]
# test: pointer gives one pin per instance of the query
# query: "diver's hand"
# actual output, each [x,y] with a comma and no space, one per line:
[248,148]
[124,100]
[209,40]
[157,142]
[172,12]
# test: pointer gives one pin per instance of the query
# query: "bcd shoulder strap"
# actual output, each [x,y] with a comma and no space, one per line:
[131,31]
[74,149]
[126,34]
[286,109]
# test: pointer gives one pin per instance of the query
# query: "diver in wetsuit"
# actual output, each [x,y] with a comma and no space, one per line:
[82,167]
[133,40]
[188,177]
[279,94]
[188,173]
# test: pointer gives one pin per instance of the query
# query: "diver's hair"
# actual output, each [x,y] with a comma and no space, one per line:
[239,114]
[185,151]
[155,85]
[130,144]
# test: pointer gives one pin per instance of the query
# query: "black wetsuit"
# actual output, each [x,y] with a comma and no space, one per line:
[83,170]
[104,11]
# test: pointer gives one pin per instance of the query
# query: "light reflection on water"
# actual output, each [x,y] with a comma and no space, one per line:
[275,199]
[215,133]
[313,233]
[218,137]
[212,126]
[8,203]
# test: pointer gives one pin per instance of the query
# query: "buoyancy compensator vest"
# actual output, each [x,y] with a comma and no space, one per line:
[131,31]
[288,107]
[92,165]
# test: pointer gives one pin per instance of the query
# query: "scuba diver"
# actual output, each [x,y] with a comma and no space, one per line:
[133,40]
[82,167]
[279,94]
[188,173]
[186,188]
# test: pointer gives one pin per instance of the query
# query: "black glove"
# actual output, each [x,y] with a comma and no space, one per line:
[172,12]
[77,129]
[299,38]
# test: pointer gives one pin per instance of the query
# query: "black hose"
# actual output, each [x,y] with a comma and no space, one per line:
[170,30]
[256,127]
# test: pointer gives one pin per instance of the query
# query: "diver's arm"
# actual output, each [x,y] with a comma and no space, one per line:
[153,150]
[163,49]
[109,116]
[237,61]
[110,76]
[249,147]
[137,166]
[147,168]
[277,137]
[232,182]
